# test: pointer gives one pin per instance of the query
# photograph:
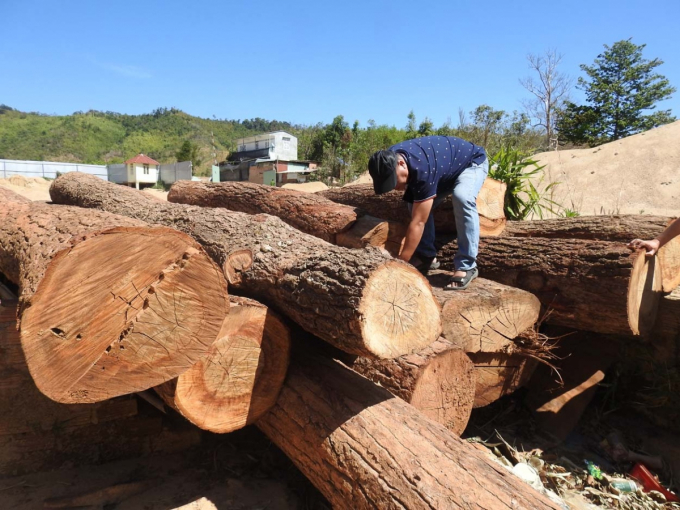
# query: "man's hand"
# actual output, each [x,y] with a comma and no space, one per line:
[650,247]
[419,214]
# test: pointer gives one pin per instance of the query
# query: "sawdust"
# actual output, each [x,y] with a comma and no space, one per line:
[309,187]
[33,188]
[639,174]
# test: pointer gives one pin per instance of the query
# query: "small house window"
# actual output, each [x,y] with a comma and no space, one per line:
[146,169]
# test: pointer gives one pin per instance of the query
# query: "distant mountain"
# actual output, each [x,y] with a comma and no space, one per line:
[107,137]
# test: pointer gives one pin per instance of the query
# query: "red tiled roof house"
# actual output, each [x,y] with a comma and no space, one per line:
[141,170]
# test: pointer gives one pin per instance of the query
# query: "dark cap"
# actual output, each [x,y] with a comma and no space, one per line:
[383,169]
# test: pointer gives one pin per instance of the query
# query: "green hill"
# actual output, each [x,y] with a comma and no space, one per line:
[106,137]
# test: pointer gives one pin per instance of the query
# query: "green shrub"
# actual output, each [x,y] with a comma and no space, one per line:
[522,198]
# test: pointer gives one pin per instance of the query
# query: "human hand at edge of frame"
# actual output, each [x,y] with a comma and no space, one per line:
[650,247]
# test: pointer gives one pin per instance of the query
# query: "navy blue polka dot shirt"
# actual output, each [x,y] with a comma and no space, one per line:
[435,162]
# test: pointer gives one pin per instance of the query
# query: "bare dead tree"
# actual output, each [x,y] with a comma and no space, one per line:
[549,91]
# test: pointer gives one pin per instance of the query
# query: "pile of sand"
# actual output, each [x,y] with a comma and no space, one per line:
[309,187]
[639,174]
[33,188]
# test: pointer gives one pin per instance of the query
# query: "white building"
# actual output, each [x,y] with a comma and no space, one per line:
[138,170]
[270,158]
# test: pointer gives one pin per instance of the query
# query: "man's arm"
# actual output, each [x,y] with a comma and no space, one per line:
[653,245]
[419,214]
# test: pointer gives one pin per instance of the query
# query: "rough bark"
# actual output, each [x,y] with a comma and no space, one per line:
[498,374]
[590,285]
[307,212]
[487,317]
[311,213]
[622,229]
[390,206]
[241,375]
[361,301]
[108,305]
[364,448]
[438,381]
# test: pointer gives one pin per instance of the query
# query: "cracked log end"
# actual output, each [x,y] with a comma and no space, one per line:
[644,292]
[400,313]
[120,312]
[242,374]
[669,259]
[445,390]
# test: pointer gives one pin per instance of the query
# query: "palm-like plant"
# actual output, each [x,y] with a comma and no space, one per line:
[517,171]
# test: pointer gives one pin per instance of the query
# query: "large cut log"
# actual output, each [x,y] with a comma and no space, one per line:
[622,228]
[361,301]
[487,317]
[390,206]
[499,374]
[364,448]
[589,285]
[242,374]
[439,381]
[108,305]
[311,213]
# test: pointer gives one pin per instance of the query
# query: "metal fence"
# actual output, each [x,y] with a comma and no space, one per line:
[9,167]
[172,172]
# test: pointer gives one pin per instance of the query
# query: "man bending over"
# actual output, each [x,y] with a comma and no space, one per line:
[430,169]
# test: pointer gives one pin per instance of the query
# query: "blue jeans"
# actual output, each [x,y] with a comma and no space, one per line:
[464,198]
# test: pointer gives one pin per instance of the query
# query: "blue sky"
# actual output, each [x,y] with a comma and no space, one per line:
[306,62]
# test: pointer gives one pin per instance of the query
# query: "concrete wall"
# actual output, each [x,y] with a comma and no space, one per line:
[172,172]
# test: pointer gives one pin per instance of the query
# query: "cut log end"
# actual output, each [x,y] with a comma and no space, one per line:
[669,259]
[115,304]
[397,319]
[644,292]
[445,392]
[242,374]
[237,262]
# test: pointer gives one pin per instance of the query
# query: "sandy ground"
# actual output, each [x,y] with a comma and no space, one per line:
[33,188]
[309,187]
[636,175]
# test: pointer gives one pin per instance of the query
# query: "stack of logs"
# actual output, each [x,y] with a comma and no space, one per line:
[119,293]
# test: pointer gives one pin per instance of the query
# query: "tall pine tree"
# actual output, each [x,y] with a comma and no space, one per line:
[621,90]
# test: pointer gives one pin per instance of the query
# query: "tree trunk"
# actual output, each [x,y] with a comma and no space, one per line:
[108,305]
[311,213]
[361,301]
[498,374]
[242,374]
[622,229]
[390,206]
[307,212]
[487,317]
[438,381]
[590,285]
[668,319]
[364,448]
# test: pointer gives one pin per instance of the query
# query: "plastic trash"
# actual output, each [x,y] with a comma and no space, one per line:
[593,470]
[624,485]
[528,474]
